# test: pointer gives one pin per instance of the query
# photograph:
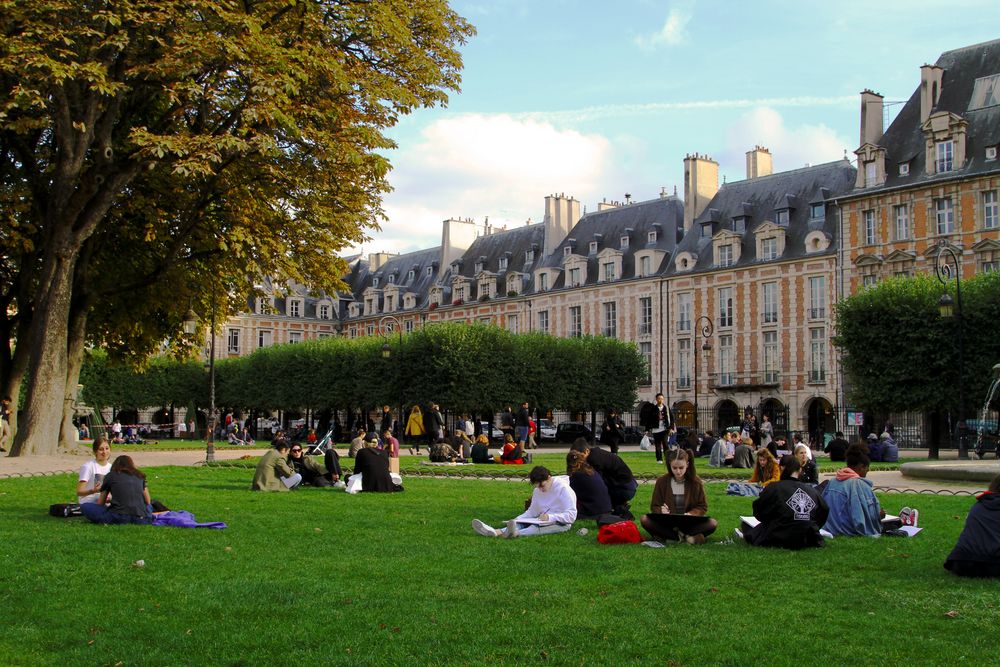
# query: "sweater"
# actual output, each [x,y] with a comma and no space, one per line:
[559,502]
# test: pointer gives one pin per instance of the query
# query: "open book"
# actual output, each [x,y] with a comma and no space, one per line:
[892,521]
[537,522]
[753,522]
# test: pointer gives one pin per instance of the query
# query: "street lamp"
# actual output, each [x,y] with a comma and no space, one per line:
[946,266]
[387,354]
[705,329]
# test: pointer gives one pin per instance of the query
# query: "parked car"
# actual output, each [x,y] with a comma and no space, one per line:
[570,431]
[546,429]
[495,436]
[633,433]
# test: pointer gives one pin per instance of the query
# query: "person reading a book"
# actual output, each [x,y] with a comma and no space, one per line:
[681,492]
[552,509]
[977,553]
[790,512]
[854,509]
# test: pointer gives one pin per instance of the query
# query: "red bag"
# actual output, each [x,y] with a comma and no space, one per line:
[623,532]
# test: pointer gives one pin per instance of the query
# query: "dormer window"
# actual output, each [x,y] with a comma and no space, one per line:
[574,277]
[706,230]
[817,211]
[904,169]
[567,251]
[944,156]
[645,265]
[503,263]
[870,174]
[375,281]
[543,282]
[781,217]
[410,275]
[430,271]
[392,278]
[740,224]
[529,256]
[294,308]
[479,266]
[593,247]
[651,237]
[623,242]
[608,269]
[991,153]
[769,248]
[726,255]
[324,311]
[985,92]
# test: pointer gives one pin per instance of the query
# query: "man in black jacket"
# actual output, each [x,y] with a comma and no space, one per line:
[837,448]
[615,473]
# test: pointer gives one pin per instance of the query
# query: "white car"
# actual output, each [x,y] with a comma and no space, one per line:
[546,429]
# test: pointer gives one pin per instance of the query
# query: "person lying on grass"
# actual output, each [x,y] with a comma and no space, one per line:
[679,492]
[552,509]
[977,553]
[790,512]
[124,497]
[273,472]
[854,509]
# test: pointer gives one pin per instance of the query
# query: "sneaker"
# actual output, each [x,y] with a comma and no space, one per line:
[737,533]
[483,529]
[339,485]
[914,515]
[410,449]
[696,539]
[512,529]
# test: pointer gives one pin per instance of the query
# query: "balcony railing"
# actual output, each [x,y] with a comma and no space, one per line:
[744,380]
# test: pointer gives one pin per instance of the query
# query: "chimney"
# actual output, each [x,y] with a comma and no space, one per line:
[871,117]
[456,237]
[759,162]
[701,182]
[561,215]
[376,260]
[931,78]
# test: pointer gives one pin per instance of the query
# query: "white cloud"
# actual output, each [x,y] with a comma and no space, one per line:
[672,32]
[792,147]
[477,165]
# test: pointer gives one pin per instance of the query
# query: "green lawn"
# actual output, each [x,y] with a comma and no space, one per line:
[318,576]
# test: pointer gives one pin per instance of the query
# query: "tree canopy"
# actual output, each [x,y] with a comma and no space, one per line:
[156,157]
[462,367]
[899,354]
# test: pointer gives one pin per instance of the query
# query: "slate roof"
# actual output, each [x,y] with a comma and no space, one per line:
[904,140]
[362,277]
[758,199]
[489,249]
[665,215]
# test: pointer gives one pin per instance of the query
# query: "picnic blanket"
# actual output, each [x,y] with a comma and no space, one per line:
[182,519]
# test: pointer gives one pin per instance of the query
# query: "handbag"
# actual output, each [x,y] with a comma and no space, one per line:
[622,532]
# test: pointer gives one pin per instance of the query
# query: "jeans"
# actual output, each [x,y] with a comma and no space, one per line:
[102,514]
[521,434]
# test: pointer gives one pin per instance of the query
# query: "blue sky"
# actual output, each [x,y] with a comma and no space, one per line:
[598,98]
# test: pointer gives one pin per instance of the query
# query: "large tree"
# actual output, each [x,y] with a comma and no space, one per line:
[161,156]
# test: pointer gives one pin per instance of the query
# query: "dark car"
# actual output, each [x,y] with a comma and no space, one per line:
[570,431]
[633,434]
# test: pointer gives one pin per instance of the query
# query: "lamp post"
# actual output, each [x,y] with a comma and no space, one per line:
[387,354]
[703,325]
[947,265]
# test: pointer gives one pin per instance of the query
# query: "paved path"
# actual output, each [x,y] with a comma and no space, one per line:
[930,476]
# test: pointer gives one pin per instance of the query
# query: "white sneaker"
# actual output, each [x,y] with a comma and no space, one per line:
[339,485]
[737,533]
[512,529]
[483,529]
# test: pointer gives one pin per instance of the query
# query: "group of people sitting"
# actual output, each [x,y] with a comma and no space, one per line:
[286,466]
[113,493]
[240,437]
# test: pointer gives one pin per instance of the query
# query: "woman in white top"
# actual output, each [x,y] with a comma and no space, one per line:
[88,488]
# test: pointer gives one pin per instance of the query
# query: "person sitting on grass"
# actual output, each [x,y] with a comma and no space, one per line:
[442,452]
[679,492]
[372,464]
[124,497]
[854,509]
[92,473]
[273,472]
[312,473]
[790,512]
[552,509]
[615,473]
[807,473]
[592,499]
[765,470]
[977,552]
[743,454]
[837,448]
[358,443]
[481,450]
[511,451]
[331,460]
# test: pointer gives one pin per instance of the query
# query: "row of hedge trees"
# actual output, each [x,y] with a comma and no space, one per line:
[460,366]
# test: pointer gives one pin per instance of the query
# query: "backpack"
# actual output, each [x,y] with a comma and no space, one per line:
[622,532]
[65,510]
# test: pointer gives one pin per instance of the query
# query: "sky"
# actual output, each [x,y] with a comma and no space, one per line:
[596,99]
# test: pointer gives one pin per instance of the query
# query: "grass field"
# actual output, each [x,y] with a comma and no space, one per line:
[317,576]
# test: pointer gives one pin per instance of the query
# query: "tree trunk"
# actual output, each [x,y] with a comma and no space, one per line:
[46,390]
[74,363]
